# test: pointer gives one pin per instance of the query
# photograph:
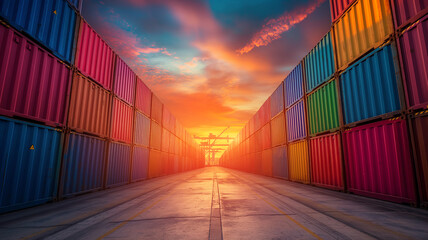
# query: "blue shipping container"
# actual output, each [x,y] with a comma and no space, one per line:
[296,122]
[83,164]
[319,63]
[369,87]
[277,101]
[77,4]
[280,162]
[29,164]
[293,85]
[51,22]
[119,163]
[140,163]
[142,130]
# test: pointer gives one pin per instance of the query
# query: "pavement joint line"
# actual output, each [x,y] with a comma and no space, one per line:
[215,231]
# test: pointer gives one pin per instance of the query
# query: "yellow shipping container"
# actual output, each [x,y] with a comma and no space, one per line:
[299,161]
[278,130]
[267,162]
[154,164]
[365,26]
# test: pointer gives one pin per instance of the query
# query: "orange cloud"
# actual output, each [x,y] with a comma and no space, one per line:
[273,29]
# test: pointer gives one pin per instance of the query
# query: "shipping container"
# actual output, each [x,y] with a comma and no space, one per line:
[165,140]
[378,162]
[277,101]
[166,117]
[319,63]
[369,87]
[296,122]
[364,27]
[277,131]
[258,167]
[293,86]
[164,163]
[124,82]
[34,84]
[264,113]
[259,141]
[119,164]
[408,11]
[155,136]
[280,162]
[267,162]
[90,106]
[419,123]
[122,120]
[154,163]
[326,161]
[338,7]
[157,109]
[266,137]
[29,164]
[50,22]
[298,161]
[83,164]
[323,114]
[94,57]
[140,163]
[414,59]
[142,130]
[77,4]
[143,97]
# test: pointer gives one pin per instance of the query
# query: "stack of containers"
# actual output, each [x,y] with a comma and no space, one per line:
[35,77]
[155,137]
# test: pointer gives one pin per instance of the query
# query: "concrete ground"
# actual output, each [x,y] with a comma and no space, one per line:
[216,203]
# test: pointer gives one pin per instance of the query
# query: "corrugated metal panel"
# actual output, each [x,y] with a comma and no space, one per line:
[420,128]
[83,166]
[258,169]
[154,164]
[89,107]
[338,7]
[369,87]
[165,140]
[319,63]
[280,162]
[378,162]
[266,138]
[326,161]
[124,82]
[296,122]
[164,163]
[50,22]
[298,161]
[166,116]
[365,26]
[155,136]
[143,98]
[414,58]
[140,163]
[323,109]
[29,163]
[123,117]
[277,100]
[119,163]
[176,164]
[77,4]
[278,130]
[171,143]
[142,130]
[259,141]
[265,113]
[34,84]
[251,126]
[407,10]
[293,85]
[267,162]
[91,48]
[157,109]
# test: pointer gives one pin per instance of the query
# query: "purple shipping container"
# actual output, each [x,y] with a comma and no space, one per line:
[124,82]
[140,163]
[414,57]
[378,163]
[296,122]
[277,101]
[118,165]
[142,130]
[34,84]
[408,11]
[280,162]
[293,86]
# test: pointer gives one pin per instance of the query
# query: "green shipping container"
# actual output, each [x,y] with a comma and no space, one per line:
[323,109]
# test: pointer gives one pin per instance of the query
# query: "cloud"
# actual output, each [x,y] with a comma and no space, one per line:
[273,29]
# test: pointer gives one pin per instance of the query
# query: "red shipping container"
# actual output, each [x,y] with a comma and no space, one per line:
[34,84]
[326,161]
[122,120]
[124,82]
[408,11]
[267,143]
[157,107]
[94,58]
[378,163]
[414,58]
[143,98]
[338,7]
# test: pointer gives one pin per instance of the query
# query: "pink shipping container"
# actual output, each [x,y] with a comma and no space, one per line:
[338,7]
[266,138]
[157,107]
[124,82]
[34,84]
[408,11]
[414,57]
[122,120]
[265,112]
[94,58]
[143,98]
[326,161]
[378,163]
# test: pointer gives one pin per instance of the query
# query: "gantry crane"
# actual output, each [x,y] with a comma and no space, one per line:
[210,144]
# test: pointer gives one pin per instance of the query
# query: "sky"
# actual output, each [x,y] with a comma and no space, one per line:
[211,62]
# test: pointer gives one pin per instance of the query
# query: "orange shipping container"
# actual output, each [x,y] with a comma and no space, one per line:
[156,109]
[155,136]
[154,164]
[267,162]
[278,133]
[299,161]
[165,140]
